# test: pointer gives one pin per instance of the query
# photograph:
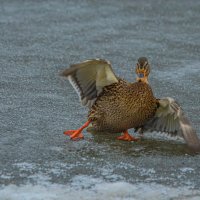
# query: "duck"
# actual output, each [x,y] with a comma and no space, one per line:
[116,105]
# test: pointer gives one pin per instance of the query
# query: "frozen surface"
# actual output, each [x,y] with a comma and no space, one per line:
[38,40]
[88,188]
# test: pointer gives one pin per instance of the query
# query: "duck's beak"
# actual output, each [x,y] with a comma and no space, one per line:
[141,75]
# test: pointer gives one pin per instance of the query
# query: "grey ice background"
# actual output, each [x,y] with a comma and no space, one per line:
[40,38]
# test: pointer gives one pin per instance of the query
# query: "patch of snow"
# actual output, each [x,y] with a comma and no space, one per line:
[25,166]
[186,169]
[3,176]
[89,188]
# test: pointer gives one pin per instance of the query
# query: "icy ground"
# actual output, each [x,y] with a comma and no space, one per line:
[41,38]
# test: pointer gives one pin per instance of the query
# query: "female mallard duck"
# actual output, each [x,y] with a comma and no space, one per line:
[116,105]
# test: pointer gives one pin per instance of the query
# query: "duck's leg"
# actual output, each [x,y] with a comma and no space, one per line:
[77,134]
[127,137]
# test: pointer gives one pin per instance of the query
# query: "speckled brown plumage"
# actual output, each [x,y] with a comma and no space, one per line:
[116,105]
[122,106]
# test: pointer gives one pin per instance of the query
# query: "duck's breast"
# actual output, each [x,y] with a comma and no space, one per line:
[123,106]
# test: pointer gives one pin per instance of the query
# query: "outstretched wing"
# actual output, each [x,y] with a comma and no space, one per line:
[89,77]
[170,118]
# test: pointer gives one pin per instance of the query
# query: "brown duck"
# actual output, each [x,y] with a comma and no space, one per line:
[117,105]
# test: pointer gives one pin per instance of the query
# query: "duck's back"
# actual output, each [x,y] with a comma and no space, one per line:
[122,106]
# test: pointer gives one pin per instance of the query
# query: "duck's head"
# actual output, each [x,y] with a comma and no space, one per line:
[142,70]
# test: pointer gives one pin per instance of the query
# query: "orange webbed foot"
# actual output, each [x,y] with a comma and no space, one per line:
[127,137]
[69,132]
[76,134]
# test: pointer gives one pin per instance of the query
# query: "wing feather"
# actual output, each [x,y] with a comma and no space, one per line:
[170,118]
[89,77]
